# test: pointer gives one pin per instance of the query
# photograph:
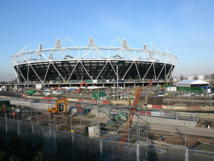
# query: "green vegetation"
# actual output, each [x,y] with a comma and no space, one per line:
[190,89]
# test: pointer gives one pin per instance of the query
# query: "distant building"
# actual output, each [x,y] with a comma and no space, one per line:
[192,83]
[197,77]
[190,78]
[201,77]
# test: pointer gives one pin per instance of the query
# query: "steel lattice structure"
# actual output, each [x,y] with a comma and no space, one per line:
[65,64]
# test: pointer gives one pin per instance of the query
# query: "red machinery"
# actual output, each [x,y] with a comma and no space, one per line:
[81,84]
[133,109]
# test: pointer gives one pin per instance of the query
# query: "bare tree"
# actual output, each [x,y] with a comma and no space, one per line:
[212,76]
[181,77]
[195,77]
[206,77]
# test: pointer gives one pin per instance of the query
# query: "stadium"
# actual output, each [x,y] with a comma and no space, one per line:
[92,63]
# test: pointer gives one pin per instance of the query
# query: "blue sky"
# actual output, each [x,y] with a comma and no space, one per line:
[183,27]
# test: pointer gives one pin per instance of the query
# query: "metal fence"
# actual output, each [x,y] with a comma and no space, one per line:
[44,104]
[69,146]
[189,101]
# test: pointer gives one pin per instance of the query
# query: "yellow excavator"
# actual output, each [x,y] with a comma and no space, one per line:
[61,106]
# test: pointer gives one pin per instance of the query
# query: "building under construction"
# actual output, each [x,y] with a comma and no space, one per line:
[93,64]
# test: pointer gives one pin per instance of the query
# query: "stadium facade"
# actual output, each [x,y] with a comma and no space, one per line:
[92,63]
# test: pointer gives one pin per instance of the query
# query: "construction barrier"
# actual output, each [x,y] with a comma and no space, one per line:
[92,101]
[157,106]
[80,100]
[49,98]
[106,102]
[145,113]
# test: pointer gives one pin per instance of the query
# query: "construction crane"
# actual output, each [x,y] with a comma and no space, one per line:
[61,105]
[133,109]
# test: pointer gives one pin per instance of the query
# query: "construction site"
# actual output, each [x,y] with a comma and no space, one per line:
[119,107]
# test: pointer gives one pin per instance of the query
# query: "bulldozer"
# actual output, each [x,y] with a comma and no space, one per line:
[60,106]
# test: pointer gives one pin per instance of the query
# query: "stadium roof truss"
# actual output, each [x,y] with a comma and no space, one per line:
[53,59]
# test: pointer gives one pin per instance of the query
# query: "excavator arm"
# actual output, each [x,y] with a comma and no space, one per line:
[56,107]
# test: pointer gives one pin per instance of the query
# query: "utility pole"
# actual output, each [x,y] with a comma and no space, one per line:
[117,82]
[186,149]
[185,139]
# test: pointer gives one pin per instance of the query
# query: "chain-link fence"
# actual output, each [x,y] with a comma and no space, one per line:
[69,146]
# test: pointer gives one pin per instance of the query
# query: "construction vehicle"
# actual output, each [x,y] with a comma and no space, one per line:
[132,110]
[115,120]
[81,84]
[119,116]
[61,105]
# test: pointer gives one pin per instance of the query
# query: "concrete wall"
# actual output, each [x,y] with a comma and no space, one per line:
[164,121]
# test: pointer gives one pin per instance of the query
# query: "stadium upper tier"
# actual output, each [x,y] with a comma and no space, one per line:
[92,63]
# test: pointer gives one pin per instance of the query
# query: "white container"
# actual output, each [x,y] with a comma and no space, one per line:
[94,131]
[94,81]
[171,89]
[209,90]
[38,86]
[157,113]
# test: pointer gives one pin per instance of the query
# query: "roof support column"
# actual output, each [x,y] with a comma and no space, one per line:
[46,72]
[73,70]
[102,69]
[161,71]
[147,71]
